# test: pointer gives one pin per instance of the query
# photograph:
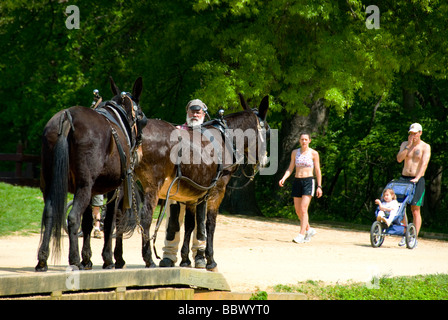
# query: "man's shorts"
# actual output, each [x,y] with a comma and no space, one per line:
[419,195]
[303,187]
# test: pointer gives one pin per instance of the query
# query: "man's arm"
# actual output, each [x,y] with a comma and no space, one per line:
[403,152]
[424,165]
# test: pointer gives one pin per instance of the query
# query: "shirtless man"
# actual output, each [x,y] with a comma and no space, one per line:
[416,154]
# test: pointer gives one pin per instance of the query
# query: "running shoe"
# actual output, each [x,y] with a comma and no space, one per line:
[311,232]
[300,239]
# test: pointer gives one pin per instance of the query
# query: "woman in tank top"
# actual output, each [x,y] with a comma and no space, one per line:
[306,162]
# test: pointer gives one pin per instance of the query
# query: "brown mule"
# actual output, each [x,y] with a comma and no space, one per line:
[164,172]
[80,154]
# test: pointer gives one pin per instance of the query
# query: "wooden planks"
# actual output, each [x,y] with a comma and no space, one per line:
[70,281]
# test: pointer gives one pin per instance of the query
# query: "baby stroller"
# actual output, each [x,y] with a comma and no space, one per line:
[404,190]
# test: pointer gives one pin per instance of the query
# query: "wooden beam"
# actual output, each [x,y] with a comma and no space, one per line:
[69,281]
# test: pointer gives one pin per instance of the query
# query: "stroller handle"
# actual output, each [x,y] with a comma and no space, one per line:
[404,190]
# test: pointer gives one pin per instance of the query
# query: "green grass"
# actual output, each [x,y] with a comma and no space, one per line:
[427,287]
[20,209]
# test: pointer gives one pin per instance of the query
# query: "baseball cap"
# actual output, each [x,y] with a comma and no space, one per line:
[196,105]
[415,127]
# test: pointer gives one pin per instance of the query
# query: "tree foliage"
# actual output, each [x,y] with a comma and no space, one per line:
[375,82]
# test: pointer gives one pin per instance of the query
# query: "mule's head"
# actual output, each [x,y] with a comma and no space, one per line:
[257,122]
[130,103]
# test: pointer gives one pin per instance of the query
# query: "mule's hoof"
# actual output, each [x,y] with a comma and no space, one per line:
[109,266]
[150,265]
[86,265]
[166,263]
[120,265]
[41,266]
[185,263]
[212,267]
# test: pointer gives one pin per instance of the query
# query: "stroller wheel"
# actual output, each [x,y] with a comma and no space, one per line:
[376,235]
[411,236]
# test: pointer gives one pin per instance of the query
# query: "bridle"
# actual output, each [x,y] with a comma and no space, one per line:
[134,108]
[262,126]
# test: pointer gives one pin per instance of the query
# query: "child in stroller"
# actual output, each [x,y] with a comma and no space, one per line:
[388,207]
[404,191]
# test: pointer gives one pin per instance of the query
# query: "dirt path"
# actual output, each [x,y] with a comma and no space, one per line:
[258,253]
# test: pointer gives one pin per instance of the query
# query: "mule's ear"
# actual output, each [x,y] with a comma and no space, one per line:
[137,89]
[263,109]
[243,102]
[114,87]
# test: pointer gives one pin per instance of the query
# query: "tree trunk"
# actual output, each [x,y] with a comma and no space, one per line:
[292,127]
[240,196]
[243,201]
[408,101]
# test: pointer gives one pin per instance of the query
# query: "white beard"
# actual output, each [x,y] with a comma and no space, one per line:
[194,122]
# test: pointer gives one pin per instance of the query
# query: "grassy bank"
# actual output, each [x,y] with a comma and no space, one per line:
[427,287]
[20,209]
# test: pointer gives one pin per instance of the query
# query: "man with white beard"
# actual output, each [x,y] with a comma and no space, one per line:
[175,211]
[195,114]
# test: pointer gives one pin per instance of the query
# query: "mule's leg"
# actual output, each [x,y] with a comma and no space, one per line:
[44,249]
[80,203]
[199,259]
[108,230]
[148,208]
[87,226]
[118,251]
[213,203]
[189,227]
[171,243]
[210,225]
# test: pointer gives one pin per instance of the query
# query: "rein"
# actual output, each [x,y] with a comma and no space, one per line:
[220,124]
[178,179]
[250,178]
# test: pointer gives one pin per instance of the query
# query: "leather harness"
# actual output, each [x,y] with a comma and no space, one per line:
[115,113]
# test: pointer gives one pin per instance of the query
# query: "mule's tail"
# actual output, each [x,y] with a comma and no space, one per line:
[56,199]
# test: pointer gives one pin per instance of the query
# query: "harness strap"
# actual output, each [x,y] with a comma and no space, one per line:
[217,149]
[120,123]
[121,153]
[114,113]
[125,176]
